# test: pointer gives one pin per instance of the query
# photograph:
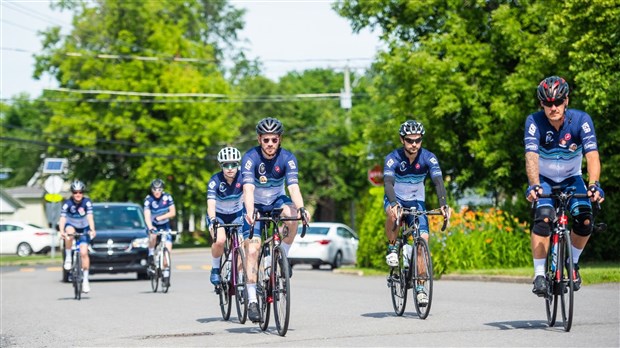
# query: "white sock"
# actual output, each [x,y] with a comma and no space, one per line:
[216,262]
[86,275]
[539,267]
[252,293]
[67,254]
[286,248]
[151,251]
[576,254]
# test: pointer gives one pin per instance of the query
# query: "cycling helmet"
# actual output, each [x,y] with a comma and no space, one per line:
[157,184]
[552,88]
[77,185]
[229,154]
[269,125]
[411,127]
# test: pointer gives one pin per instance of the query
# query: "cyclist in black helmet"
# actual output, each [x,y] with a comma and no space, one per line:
[556,140]
[404,174]
[76,215]
[266,169]
[158,210]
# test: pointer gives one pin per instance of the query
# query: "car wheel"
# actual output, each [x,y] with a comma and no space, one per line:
[316,266]
[337,260]
[24,249]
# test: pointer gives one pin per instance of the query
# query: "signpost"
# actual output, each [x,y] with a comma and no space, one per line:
[53,204]
[375,175]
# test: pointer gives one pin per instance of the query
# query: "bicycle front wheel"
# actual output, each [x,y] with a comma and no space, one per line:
[154,273]
[422,278]
[551,297]
[281,291]
[241,299]
[225,294]
[397,281]
[165,279]
[78,276]
[567,269]
[263,293]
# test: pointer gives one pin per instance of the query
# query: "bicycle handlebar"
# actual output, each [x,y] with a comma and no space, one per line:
[217,225]
[162,232]
[275,217]
[416,212]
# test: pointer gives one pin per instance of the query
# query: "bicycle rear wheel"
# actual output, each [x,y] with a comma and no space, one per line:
[241,299]
[423,277]
[78,275]
[566,271]
[166,260]
[281,291]
[551,297]
[225,291]
[263,293]
[397,281]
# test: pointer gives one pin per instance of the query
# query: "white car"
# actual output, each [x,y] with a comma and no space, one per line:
[330,243]
[24,239]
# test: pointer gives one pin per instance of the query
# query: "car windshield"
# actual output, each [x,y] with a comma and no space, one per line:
[315,230]
[118,218]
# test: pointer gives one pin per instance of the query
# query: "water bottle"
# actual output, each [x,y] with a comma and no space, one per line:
[267,257]
[554,252]
[406,254]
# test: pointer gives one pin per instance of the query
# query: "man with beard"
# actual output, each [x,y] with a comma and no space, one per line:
[404,175]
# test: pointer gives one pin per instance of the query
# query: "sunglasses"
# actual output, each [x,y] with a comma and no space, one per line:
[556,102]
[273,140]
[157,190]
[230,165]
[413,141]
[78,192]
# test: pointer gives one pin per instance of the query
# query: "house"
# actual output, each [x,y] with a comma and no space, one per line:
[23,203]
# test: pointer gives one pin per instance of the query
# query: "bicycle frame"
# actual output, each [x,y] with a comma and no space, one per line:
[76,266]
[232,282]
[161,253]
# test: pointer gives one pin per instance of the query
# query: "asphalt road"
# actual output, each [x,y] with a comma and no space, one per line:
[328,309]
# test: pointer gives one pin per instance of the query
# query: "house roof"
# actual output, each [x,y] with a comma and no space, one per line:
[13,202]
[25,192]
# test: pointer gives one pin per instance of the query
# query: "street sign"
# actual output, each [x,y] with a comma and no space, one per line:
[53,184]
[53,197]
[375,175]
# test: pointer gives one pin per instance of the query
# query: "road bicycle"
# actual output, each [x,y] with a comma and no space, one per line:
[77,273]
[415,266]
[273,281]
[232,273]
[559,266]
[161,268]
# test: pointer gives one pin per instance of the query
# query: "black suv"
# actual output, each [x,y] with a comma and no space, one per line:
[121,244]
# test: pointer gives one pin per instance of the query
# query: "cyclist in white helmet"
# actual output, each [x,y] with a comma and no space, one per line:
[404,174]
[224,203]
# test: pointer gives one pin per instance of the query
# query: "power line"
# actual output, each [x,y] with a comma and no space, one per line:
[31,13]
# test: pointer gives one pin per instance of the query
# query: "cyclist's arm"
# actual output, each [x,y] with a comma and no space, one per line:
[441,190]
[532,171]
[211,209]
[388,187]
[147,217]
[91,225]
[61,225]
[248,202]
[296,196]
[594,166]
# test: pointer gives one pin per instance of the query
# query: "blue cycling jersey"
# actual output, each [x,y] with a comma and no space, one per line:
[228,197]
[158,207]
[409,177]
[269,175]
[560,151]
[75,213]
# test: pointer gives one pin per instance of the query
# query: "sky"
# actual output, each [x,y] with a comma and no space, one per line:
[284,35]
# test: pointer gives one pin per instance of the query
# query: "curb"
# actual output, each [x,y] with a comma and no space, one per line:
[488,278]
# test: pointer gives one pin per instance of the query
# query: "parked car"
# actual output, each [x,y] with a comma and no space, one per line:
[121,244]
[24,239]
[330,243]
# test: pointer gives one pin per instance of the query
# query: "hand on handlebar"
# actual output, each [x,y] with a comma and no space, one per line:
[304,215]
[596,193]
[532,192]
[92,234]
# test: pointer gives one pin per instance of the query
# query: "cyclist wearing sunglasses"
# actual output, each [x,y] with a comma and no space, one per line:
[76,215]
[224,203]
[266,169]
[404,174]
[556,140]
[158,210]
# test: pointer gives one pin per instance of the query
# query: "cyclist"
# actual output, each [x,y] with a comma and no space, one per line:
[556,139]
[266,169]
[224,203]
[404,174]
[158,210]
[76,215]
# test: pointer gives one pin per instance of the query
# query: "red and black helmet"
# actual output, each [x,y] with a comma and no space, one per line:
[552,88]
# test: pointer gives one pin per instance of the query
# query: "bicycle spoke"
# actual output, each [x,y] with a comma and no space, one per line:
[423,278]
[398,286]
[566,267]
[281,293]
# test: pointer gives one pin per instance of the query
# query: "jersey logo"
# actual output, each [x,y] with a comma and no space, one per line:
[586,127]
[261,169]
[390,162]
[238,185]
[417,166]
[403,166]
[532,129]
[248,164]
[549,137]
[292,165]
[263,179]
[567,136]
[212,184]
[573,147]
[433,160]
[277,169]
[222,187]
[81,211]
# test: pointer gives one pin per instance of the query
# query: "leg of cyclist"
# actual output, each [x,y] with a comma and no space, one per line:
[421,262]
[391,233]
[69,240]
[83,244]
[217,250]
[252,248]
[152,243]
[541,230]
[289,210]
[581,213]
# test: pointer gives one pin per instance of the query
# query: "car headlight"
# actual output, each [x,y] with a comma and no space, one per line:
[140,243]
